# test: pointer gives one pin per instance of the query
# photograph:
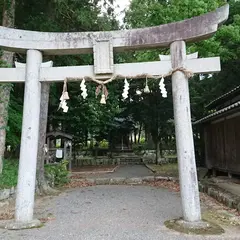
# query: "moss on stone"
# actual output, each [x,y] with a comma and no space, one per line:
[221,217]
[211,229]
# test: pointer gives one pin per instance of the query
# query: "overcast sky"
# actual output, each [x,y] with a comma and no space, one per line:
[122,5]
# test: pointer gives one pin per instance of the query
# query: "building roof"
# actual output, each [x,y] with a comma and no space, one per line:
[219,113]
[59,134]
[223,97]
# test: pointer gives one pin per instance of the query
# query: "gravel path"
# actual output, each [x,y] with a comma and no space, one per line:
[110,213]
[126,171]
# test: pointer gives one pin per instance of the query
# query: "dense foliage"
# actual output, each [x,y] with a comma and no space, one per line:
[226,44]
[8,178]
[84,117]
[57,174]
[150,112]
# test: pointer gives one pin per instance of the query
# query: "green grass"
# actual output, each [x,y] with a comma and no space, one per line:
[171,156]
[8,178]
[168,170]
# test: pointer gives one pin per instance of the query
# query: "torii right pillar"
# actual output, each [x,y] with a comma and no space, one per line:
[184,136]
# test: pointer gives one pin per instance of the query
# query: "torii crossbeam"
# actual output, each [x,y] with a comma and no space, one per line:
[130,70]
[103,45]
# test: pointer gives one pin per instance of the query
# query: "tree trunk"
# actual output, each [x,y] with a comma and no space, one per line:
[86,138]
[157,146]
[42,185]
[161,148]
[135,137]
[157,152]
[91,141]
[139,133]
[7,57]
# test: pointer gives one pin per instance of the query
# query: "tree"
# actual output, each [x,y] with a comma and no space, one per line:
[66,15]
[151,110]
[7,57]
[225,43]
[42,185]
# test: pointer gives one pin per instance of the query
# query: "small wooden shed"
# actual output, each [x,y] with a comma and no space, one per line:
[64,146]
[222,133]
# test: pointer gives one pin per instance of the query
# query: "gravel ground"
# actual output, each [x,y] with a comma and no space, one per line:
[110,213]
[126,171]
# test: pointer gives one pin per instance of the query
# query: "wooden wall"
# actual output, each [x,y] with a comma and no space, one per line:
[222,145]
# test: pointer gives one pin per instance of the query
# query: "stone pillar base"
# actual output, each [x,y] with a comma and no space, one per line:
[196,228]
[13,225]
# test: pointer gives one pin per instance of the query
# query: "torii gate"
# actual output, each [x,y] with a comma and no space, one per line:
[102,44]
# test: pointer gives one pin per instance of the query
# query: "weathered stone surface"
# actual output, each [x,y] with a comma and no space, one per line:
[148,179]
[230,203]
[29,138]
[117,180]
[4,204]
[131,70]
[134,181]
[238,207]
[195,228]
[196,225]
[91,180]
[82,42]
[221,195]
[91,161]
[5,194]
[12,191]
[102,181]
[103,56]
[184,135]
[158,178]
[12,225]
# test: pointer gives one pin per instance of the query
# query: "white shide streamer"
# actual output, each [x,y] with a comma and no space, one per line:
[146,89]
[83,89]
[126,89]
[63,102]
[163,88]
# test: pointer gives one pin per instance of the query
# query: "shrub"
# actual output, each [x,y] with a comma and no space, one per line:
[8,178]
[57,173]
[103,144]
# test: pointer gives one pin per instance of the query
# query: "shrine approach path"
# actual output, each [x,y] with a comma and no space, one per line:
[109,213]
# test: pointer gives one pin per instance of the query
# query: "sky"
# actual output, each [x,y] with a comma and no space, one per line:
[122,5]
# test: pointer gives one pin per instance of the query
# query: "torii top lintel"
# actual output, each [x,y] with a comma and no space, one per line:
[189,30]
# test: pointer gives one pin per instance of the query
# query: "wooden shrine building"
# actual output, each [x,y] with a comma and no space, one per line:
[222,133]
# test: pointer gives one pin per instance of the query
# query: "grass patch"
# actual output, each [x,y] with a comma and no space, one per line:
[165,170]
[57,173]
[8,178]
[171,156]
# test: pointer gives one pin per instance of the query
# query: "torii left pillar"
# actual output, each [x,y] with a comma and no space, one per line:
[29,141]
